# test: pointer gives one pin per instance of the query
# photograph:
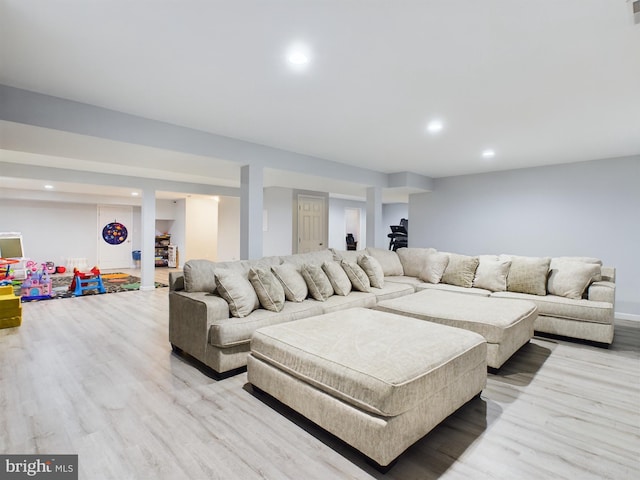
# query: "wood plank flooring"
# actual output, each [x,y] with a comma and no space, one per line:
[96,376]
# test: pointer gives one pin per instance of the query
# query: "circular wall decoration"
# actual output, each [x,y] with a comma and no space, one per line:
[114,233]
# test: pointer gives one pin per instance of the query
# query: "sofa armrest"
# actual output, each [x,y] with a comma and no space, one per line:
[176,281]
[602,292]
[608,274]
[190,318]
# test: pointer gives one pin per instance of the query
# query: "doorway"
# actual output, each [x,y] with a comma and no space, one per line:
[352,223]
[312,223]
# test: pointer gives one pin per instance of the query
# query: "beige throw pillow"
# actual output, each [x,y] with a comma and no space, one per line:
[373,269]
[237,291]
[319,285]
[460,271]
[528,275]
[338,278]
[570,279]
[434,265]
[492,273]
[293,283]
[412,259]
[268,288]
[358,277]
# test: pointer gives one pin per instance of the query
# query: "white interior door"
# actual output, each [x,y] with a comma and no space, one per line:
[114,236]
[312,223]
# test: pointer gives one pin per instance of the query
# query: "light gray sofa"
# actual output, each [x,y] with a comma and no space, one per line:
[202,325]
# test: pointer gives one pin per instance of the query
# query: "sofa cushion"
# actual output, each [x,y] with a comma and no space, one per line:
[528,274]
[268,288]
[310,258]
[338,277]
[563,307]
[433,267]
[200,275]
[319,285]
[358,277]
[492,273]
[389,260]
[413,259]
[460,270]
[348,255]
[570,279]
[373,269]
[293,283]
[392,290]
[228,332]
[237,291]
[481,292]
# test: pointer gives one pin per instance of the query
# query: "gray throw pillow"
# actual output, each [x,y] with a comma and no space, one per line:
[293,283]
[268,288]
[373,269]
[237,291]
[528,275]
[317,281]
[460,271]
[358,277]
[338,278]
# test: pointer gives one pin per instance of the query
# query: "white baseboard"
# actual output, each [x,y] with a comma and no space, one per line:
[145,288]
[627,316]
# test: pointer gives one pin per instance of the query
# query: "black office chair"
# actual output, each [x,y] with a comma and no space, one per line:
[351,242]
[399,235]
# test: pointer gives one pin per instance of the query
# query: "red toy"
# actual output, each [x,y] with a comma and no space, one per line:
[86,281]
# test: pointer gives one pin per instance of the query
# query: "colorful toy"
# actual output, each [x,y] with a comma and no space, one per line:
[37,285]
[8,276]
[86,281]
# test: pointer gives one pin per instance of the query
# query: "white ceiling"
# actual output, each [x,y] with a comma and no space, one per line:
[539,82]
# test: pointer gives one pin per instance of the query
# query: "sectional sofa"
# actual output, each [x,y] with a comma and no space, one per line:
[214,308]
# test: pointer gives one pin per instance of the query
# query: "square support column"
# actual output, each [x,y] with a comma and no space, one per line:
[251,206]
[375,232]
[148,259]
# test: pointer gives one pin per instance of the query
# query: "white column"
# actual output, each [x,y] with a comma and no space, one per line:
[147,262]
[375,233]
[251,205]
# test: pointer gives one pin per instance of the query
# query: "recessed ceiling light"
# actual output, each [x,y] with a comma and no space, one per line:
[488,153]
[134,194]
[49,187]
[435,126]
[298,58]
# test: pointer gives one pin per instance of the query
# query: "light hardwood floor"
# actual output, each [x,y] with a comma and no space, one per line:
[96,376]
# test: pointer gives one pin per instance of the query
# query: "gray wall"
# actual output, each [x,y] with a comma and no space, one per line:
[587,208]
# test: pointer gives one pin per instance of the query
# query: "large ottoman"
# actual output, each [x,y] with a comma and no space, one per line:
[376,380]
[506,324]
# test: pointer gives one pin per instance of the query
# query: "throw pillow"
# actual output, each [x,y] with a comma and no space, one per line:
[268,288]
[338,278]
[528,275]
[237,291]
[412,259]
[390,261]
[556,261]
[492,273]
[358,277]
[348,255]
[433,267]
[570,279]
[295,287]
[373,269]
[319,285]
[460,271]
